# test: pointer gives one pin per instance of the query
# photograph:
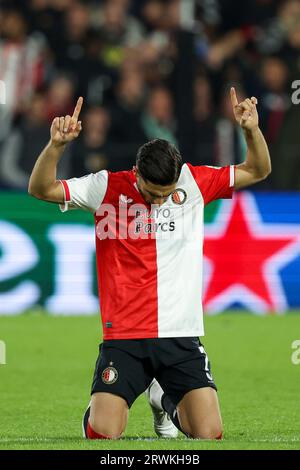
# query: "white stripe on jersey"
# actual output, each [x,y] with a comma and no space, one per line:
[179,266]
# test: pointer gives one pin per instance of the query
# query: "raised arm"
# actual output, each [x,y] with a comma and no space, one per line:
[43,184]
[257,165]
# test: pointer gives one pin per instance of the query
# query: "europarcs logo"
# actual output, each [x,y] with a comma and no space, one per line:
[2,353]
[2,92]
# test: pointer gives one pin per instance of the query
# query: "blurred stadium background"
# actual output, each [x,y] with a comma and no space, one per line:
[148,68]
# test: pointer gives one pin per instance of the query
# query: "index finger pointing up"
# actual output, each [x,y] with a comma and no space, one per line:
[234,100]
[77,109]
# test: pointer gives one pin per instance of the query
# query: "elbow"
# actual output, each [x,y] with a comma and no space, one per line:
[33,192]
[267,173]
[30,190]
[264,175]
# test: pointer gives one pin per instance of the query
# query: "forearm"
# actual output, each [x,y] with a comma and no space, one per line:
[42,183]
[258,156]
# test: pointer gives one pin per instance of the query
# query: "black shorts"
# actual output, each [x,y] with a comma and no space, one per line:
[127,367]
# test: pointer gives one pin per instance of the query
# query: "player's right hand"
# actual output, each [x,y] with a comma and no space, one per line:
[66,128]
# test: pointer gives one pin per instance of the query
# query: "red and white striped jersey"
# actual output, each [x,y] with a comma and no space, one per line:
[149,258]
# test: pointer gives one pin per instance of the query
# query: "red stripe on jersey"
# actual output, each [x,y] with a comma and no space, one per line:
[214,183]
[67,191]
[127,271]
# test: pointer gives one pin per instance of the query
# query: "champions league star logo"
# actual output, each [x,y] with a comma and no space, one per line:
[245,256]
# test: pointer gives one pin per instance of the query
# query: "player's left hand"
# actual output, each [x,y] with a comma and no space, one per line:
[245,113]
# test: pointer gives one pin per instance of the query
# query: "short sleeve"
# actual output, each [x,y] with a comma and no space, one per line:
[214,182]
[85,193]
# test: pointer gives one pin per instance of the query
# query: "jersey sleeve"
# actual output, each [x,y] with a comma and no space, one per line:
[214,182]
[85,193]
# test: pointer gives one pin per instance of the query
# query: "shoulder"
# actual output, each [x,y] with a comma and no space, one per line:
[214,182]
[116,177]
[120,182]
[202,169]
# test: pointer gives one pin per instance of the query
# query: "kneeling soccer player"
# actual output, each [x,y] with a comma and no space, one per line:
[149,237]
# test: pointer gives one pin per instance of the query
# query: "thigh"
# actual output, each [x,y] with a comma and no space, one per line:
[120,373]
[199,414]
[189,369]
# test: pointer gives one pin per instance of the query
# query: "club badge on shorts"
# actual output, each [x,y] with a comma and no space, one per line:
[110,375]
[179,196]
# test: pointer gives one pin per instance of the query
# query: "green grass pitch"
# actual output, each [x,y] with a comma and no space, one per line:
[44,387]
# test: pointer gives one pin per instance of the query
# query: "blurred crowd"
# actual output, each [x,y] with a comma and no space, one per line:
[146,69]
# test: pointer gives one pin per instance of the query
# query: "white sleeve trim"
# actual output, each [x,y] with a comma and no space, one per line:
[63,207]
[87,192]
[232,176]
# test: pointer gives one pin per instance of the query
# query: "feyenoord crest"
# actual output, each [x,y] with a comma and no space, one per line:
[109,375]
[179,196]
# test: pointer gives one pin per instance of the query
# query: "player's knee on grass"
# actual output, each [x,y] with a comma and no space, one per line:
[95,432]
[110,430]
[211,433]
[204,430]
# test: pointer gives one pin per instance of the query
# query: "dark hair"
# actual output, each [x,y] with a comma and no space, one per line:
[159,162]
